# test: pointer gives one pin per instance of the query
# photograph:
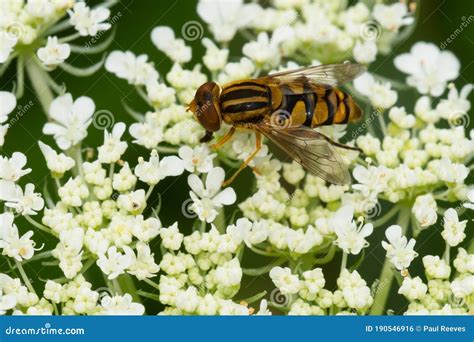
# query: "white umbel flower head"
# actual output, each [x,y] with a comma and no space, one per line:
[72,118]
[424,210]
[399,250]
[350,238]
[121,305]
[413,288]
[154,170]
[392,17]
[12,245]
[57,163]
[208,198]
[54,53]
[453,231]
[27,202]
[429,69]
[197,159]
[11,169]
[113,148]
[114,263]
[7,104]
[284,280]
[380,95]
[88,22]
[135,69]
[175,48]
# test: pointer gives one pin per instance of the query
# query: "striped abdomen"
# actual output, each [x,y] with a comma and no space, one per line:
[244,101]
[314,106]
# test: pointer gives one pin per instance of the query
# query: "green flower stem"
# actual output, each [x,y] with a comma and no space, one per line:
[254,298]
[166,149]
[127,285]
[39,81]
[264,269]
[152,283]
[149,295]
[148,193]
[24,277]
[39,225]
[386,276]
[446,254]
[343,262]
[78,158]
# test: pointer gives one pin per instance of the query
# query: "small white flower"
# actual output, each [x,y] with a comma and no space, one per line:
[7,43]
[7,302]
[7,104]
[413,288]
[470,200]
[229,274]
[171,237]
[464,262]
[393,16]
[350,238]
[208,198]
[143,264]
[263,310]
[154,170]
[453,231]
[115,263]
[263,51]
[88,22]
[133,202]
[58,163]
[121,305]
[429,69]
[286,282]
[72,118]
[112,148]
[14,246]
[54,53]
[26,203]
[463,287]
[11,169]
[424,210]
[365,52]
[224,27]
[457,103]
[165,41]
[399,249]
[215,58]
[135,69]
[380,94]
[197,159]
[435,267]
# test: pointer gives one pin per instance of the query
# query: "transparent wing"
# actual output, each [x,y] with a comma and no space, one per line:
[311,149]
[333,75]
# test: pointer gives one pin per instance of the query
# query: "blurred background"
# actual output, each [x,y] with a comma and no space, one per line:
[438,20]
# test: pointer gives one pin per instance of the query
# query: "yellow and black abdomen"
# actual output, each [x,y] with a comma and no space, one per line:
[315,105]
[245,101]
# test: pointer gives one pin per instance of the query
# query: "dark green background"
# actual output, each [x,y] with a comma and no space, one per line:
[438,20]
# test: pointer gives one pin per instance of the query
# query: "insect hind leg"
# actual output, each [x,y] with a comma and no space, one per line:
[258,146]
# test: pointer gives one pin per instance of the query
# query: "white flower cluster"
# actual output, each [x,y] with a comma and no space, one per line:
[305,294]
[103,213]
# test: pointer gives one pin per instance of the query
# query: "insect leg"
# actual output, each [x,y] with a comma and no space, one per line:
[224,139]
[258,146]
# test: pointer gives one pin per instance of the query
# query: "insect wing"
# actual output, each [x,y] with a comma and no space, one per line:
[310,149]
[333,75]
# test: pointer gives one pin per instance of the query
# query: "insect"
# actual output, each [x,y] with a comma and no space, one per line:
[285,107]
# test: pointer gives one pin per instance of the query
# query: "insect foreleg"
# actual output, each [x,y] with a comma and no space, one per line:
[224,139]
[258,146]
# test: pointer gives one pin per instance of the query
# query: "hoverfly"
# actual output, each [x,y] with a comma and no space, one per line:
[285,107]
